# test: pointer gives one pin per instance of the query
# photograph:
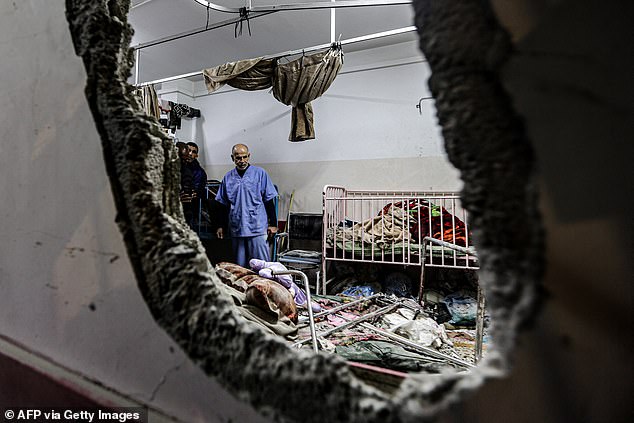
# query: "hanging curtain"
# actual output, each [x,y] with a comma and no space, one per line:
[149,100]
[249,75]
[301,81]
[296,83]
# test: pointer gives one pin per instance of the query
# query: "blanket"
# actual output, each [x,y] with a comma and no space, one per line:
[266,294]
[432,220]
[272,322]
[398,225]
[384,230]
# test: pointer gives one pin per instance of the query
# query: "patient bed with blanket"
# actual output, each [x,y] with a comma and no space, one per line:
[412,228]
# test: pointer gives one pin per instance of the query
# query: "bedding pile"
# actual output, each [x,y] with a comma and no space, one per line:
[399,227]
[382,231]
[263,293]
[431,220]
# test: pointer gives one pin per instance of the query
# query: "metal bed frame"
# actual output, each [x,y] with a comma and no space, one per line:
[418,247]
[201,227]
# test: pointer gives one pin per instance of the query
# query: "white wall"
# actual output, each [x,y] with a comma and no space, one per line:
[369,133]
[180,92]
[66,286]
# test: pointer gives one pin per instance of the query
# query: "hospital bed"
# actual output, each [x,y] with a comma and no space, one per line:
[411,228]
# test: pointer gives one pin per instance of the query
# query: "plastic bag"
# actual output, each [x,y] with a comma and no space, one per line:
[359,291]
[418,328]
[462,309]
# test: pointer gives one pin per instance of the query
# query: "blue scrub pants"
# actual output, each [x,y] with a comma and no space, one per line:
[247,247]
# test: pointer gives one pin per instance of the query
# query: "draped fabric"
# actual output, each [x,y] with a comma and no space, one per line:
[149,100]
[296,83]
[301,81]
[249,75]
[383,230]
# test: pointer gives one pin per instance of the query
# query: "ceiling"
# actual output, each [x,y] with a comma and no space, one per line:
[281,31]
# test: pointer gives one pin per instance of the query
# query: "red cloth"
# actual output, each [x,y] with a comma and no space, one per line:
[420,213]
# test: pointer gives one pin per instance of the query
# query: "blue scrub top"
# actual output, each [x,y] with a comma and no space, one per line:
[245,197]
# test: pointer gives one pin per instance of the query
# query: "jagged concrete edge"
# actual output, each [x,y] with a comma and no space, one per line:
[485,139]
[181,289]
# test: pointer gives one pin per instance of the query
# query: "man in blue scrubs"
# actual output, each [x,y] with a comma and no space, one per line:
[248,195]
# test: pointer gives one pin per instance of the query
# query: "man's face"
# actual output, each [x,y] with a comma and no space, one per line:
[241,158]
[193,153]
[183,151]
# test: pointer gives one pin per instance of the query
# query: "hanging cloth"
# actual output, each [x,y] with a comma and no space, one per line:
[149,100]
[296,83]
[301,81]
[249,75]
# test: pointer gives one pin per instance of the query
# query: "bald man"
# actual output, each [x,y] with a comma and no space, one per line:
[248,195]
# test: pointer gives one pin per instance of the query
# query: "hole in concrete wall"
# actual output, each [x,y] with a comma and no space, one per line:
[485,140]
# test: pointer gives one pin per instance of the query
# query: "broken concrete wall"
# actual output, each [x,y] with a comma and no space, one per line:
[70,293]
[183,292]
